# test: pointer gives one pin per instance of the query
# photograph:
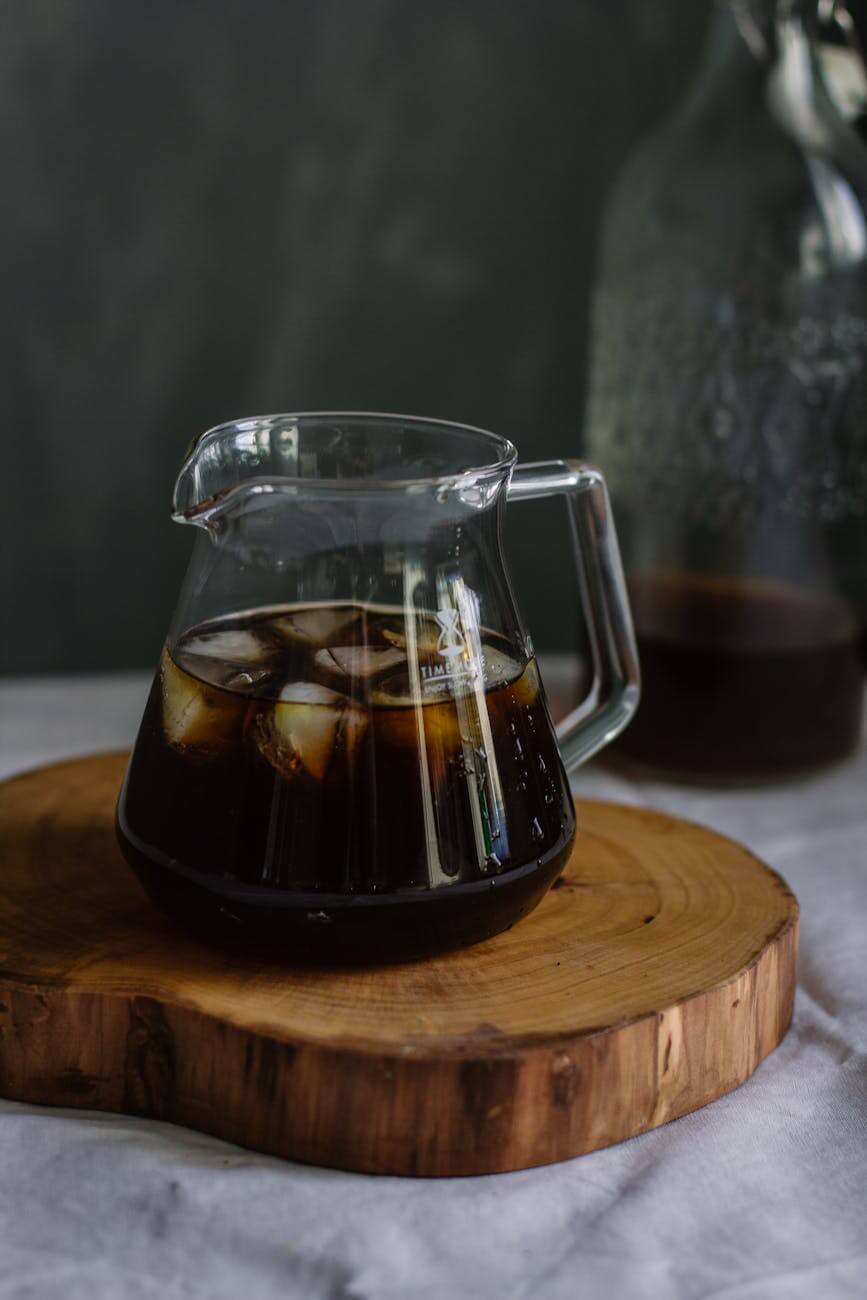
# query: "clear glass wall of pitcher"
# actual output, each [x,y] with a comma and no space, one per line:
[347,752]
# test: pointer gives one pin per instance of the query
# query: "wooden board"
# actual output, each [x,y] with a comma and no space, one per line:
[655,976]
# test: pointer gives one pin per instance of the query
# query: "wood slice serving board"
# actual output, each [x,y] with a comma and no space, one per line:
[655,976]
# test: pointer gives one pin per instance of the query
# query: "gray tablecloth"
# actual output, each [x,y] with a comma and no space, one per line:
[762,1194]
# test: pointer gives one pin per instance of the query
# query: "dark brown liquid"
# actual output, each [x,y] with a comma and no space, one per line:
[318,779]
[741,680]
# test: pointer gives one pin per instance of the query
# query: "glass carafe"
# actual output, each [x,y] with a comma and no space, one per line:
[728,400]
[346,753]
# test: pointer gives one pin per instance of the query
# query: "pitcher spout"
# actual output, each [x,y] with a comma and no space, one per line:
[232,461]
[336,454]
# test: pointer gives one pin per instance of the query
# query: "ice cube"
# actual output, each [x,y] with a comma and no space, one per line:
[499,668]
[359,662]
[397,714]
[400,690]
[526,689]
[394,692]
[235,645]
[199,720]
[315,626]
[427,636]
[246,681]
[311,693]
[305,726]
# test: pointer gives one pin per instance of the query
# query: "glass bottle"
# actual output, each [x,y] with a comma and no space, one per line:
[728,400]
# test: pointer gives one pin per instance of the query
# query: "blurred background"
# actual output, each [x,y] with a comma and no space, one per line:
[221,209]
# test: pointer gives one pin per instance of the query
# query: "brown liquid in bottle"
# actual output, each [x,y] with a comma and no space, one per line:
[741,680]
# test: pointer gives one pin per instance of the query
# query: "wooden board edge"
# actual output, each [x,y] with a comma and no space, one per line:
[484,1113]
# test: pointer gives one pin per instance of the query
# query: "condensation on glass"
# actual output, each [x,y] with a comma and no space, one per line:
[728,400]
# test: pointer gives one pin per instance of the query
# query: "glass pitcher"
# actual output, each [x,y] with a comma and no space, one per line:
[346,753]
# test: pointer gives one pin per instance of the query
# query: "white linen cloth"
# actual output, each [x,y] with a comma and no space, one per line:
[760,1196]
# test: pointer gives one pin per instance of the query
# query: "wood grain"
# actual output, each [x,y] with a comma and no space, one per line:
[655,976]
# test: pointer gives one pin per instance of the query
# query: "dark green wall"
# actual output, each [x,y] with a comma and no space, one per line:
[213,209]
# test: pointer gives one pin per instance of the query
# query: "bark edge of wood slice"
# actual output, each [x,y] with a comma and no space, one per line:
[654,977]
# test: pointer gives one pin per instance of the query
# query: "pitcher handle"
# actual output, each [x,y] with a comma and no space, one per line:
[614,695]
